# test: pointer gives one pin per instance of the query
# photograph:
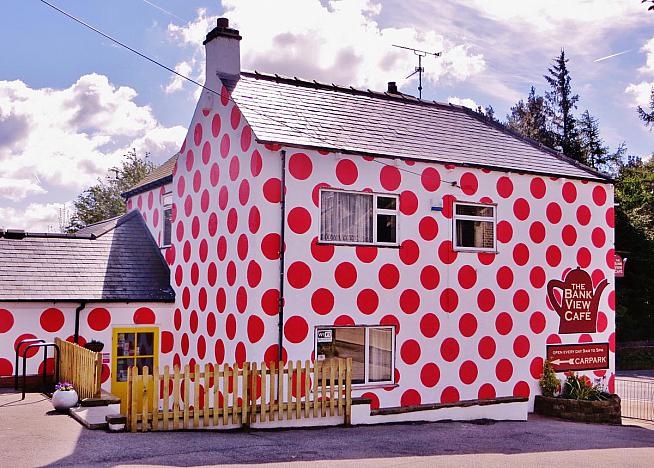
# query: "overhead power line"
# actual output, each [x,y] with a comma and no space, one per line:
[191,80]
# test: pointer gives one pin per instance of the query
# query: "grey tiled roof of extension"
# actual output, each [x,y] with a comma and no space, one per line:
[301,113]
[122,263]
[159,176]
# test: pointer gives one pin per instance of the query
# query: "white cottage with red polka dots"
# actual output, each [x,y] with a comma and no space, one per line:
[302,220]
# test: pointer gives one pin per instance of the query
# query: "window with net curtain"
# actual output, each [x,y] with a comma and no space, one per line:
[167,215]
[475,227]
[370,348]
[358,218]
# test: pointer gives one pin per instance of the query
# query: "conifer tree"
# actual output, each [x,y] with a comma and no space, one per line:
[563,102]
[531,119]
[648,116]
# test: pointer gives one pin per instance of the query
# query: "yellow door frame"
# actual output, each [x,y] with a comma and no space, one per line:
[119,388]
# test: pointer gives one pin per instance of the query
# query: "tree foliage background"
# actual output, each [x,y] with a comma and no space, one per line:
[103,200]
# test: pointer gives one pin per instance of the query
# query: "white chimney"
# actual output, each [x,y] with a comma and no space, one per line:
[223,55]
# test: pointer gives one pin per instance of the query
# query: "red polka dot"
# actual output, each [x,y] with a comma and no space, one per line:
[469,183]
[322,301]
[270,246]
[270,302]
[569,235]
[300,167]
[431,179]
[521,389]
[553,212]
[367,301]
[553,256]
[390,178]
[485,300]
[521,346]
[201,347]
[430,375]
[299,220]
[410,397]
[409,252]
[52,319]
[521,300]
[321,252]
[468,372]
[429,325]
[598,237]
[536,367]
[366,254]
[602,322]
[486,347]
[346,172]
[99,318]
[344,321]
[553,339]
[428,228]
[197,134]
[255,328]
[504,370]
[244,192]
[296,329]
[583,215]
[486,392]
[504,232]
[521,209]
[537,232]
[409,301]
[389,276]
[144,315]
[25,336]
[246,138]
[445,252]
[504,277]
[272,190]
[610,217]
[449,300]
[449,349]
[408,202]
[504,187]
[374,404]
[391,320]
[569,192]
[211,323]
[537,322]
[467,277]
[467,325]
[583,257]
[537,187]
[520,254]
[599,195]
[6,320]
[503,323]
[256,163]
[345,275]
[429,277]
[410,352]
[298,275]
[450,395]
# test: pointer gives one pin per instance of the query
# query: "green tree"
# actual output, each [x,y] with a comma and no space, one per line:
[648,116]
[594,152]
[103,200]
[531,119]
[563,103]
[488,112]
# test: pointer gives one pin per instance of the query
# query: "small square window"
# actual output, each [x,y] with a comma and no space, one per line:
[167,219]
[474,227]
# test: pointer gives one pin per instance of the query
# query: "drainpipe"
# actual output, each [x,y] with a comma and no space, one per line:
[78,310]
[281,258]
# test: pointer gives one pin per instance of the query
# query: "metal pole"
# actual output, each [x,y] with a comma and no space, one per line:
[281,259]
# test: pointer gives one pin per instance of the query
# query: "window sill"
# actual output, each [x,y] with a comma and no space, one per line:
[371,386]
[357,244]
[494,252]
[163,247]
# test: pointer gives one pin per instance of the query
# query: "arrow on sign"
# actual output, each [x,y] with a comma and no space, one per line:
[558,362]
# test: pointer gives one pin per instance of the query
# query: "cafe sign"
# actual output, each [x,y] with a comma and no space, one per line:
[619,264]
[579,302]
[578,357]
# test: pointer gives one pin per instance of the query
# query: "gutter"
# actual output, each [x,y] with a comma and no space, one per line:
[280,309]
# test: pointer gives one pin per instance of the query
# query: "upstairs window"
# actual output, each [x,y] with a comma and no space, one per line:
[474,227]
[358,218]
[372,349]
[167,218]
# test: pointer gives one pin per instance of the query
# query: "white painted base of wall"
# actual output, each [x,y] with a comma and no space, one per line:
[308,422]
[514,411]
[93,417]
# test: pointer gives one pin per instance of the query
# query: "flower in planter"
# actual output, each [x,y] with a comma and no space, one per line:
[64,386]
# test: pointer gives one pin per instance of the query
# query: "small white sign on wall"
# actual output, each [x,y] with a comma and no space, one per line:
[325,336]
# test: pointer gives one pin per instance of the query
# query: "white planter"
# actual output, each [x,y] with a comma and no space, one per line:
[63,400]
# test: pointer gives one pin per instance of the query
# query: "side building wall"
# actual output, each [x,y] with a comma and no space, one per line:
[49,320]
[468,325]
[150,205]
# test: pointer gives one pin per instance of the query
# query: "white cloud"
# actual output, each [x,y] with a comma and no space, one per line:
[648,48]
[465,102]
[640,93]
[54,139]
[340,41]
[36,217]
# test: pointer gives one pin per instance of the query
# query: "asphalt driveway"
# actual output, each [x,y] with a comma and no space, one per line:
[31,435]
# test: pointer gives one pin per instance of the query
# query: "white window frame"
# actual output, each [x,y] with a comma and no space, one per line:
[163,219]
[375,212]
[366,347]
[493,219]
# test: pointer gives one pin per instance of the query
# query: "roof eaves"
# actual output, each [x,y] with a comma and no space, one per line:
[149,186]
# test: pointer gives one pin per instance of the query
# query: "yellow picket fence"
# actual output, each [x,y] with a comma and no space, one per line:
[81,367]
[216,395]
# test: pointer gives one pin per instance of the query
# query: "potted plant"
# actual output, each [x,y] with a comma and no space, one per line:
[95,346]
[64,396]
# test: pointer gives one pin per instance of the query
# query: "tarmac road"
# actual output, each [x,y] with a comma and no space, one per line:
[31,435]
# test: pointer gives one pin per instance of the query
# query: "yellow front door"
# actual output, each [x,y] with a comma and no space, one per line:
[133,346]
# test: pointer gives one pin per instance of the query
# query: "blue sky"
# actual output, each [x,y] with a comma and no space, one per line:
[71,102]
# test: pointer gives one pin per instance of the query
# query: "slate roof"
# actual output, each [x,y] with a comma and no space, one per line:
[309,114]
[119,262]
[161,175]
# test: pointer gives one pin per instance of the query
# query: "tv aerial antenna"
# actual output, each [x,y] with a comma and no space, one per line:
[419,69]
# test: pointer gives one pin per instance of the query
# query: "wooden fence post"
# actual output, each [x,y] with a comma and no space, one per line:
[348,392]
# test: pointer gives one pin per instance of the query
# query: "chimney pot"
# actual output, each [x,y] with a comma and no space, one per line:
[392,87]
[222,23]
